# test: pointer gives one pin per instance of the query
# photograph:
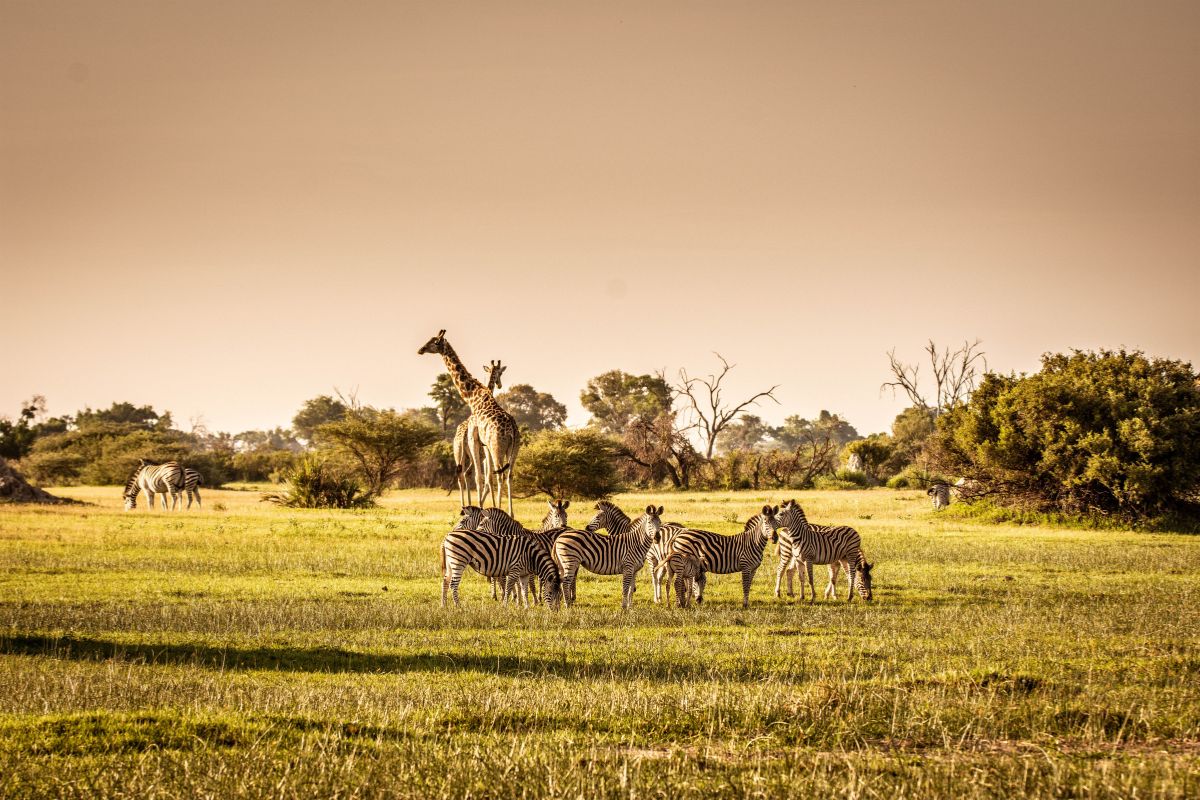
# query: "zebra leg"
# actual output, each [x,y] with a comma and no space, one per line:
[199,505]
[568,574]
[456,574]
[834,568]
[747,579]
[627,589]
[812,591]
[778,577]
[851,575]
[655,580]
[698,585]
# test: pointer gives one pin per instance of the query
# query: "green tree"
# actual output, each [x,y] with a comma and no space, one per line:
[748,432]
[451,408]
[532,409]
[564,463]
[379,443]
[315,413]
[875,452]
[1108,432]
[797,431]
[616,398]
[125,413]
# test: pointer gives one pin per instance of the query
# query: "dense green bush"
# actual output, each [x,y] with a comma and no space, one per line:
[915,476]
[316,483]
[1108,433]
[564,463]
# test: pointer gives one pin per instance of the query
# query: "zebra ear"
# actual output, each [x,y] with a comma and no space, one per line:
[564,504]
[649,509]
[660,511]
[766,511]
[775,511]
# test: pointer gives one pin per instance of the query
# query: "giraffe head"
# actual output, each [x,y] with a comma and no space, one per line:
[494,371]
[435,345]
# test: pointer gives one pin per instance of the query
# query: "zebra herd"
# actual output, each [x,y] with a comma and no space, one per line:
[498,547]
[166,479]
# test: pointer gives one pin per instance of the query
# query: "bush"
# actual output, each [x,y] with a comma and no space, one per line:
[915,476]
[829,483]
[562,463]
[314,483]
[1098,433]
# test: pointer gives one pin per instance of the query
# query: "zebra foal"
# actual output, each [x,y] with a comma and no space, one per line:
[724,555]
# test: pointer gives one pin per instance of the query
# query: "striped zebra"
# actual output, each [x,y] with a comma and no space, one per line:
[940,494]
[616,554]
[154,479]
[801,542]
[686,569]
[723,554]
[615,521]
[493,520]
[191,485]
[513,558]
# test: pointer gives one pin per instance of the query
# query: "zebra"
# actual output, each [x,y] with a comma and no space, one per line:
[191,484]
[614,554]
[727,554]
[615,521]
[467,447]
[801,542]
[152,479]
[513,558]
[686,569]
[493,520]
[940,494]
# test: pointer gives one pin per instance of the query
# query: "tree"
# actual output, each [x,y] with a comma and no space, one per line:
[1108,432]
[451,408]
[617,398]
[875,452]
[712,414]
[747,433]
[563,463]
[532,409]
[796,430]
[955,374]
[379,443]
[125,413]
[660,449]
[315,413]
[17,438]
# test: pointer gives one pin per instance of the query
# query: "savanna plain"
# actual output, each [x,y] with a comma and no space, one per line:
[249,650]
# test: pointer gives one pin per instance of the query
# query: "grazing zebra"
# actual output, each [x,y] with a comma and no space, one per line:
[154,479]
[727,554]
[686,569]
[493,520]
[614,554]
[191,485]
[940,493]
[513,558]
[801,542]
[615,521]
[467,447]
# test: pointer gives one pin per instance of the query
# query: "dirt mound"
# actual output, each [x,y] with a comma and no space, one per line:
[14,489]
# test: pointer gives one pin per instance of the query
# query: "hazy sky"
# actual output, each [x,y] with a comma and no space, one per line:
[226,208]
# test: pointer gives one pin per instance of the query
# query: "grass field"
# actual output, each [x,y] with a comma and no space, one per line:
[251,650]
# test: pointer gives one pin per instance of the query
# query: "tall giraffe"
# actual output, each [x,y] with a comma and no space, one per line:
[468,450]
[497,429]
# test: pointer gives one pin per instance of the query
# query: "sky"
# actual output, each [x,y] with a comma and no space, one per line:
[225,208]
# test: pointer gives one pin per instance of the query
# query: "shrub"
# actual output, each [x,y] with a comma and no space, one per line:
[562,463]
[1099,433]
[914,476]
[314,483]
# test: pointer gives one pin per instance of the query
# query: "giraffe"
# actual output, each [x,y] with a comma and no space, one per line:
[497,429]
[468,448]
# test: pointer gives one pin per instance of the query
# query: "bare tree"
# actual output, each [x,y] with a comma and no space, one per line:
[955,374]
[712,415]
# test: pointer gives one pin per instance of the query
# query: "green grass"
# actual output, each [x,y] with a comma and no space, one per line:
[264,651]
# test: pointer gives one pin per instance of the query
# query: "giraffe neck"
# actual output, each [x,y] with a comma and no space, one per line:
[463,380]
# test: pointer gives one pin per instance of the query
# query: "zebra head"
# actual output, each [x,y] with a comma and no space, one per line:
[609,517]
[791,516]
[469,519]
[556,517]
[435,345]
[649,525]
[766,524]
[131,488]
[863,579]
